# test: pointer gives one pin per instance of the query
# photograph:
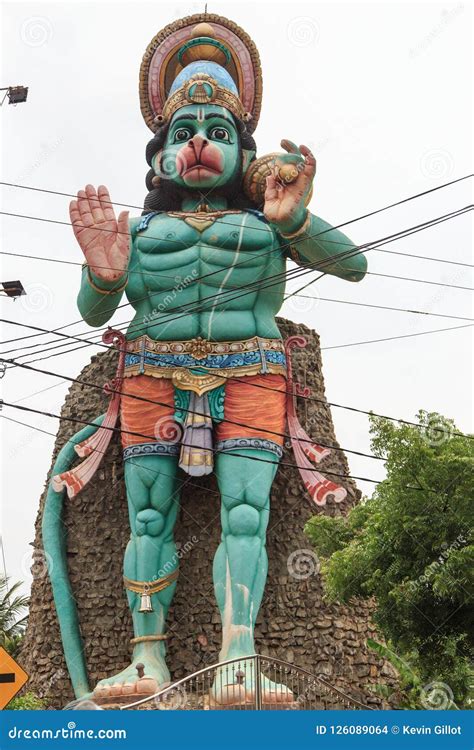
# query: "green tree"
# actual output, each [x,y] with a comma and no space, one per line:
[12,619]
[27,702]
[410,547]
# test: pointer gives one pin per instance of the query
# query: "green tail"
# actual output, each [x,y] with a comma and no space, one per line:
[54,545]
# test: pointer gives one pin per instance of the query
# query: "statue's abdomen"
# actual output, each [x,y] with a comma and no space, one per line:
[217,289]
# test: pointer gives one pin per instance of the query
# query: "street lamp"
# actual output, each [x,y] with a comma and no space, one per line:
[12,289]
[15,94]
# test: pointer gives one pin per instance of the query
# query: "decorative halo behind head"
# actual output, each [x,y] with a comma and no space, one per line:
[201,58]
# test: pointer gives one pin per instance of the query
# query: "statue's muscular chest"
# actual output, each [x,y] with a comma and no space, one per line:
[233,249]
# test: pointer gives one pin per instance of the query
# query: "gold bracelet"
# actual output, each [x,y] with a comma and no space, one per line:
[148,638]
[299,231]
[104,291]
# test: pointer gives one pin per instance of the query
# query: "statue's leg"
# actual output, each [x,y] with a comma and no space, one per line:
[150,557]
[245,476]
[240,572]
[153,501]
[240,564]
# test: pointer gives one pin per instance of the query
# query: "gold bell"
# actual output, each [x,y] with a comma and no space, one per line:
[145,601]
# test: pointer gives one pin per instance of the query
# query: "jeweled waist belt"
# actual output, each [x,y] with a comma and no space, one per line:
[174,359]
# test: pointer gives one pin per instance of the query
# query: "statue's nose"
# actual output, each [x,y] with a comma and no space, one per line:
[197,142]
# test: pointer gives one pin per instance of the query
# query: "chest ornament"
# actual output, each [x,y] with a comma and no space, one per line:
[201,219]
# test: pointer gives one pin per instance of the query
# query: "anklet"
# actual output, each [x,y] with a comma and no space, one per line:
[150,587]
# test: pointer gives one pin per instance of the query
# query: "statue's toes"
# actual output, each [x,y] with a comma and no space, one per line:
[147,685]
[116,689]
[278,696]
[129,688]
[101,691]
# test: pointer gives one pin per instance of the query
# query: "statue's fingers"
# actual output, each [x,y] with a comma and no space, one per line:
[289,146]
[75,217]
[84,209]
[289,159]
[271,181]
[276,176]
[309,158]
[94,204]
[106,203]
[74,214]
[271,189]
[123,230]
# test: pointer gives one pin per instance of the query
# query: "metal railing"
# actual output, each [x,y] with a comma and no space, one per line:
[252,683]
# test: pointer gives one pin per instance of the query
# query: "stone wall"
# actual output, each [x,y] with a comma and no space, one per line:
[294,624]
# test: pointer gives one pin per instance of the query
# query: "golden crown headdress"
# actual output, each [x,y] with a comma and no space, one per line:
[201,59]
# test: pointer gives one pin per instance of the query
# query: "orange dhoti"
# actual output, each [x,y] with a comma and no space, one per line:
[254,416]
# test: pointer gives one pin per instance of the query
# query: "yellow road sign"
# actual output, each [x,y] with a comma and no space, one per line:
[12,678]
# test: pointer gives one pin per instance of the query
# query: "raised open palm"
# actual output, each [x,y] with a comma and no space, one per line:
[104,240]
[285,203]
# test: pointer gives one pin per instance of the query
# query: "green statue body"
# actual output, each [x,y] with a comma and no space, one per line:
[202,271]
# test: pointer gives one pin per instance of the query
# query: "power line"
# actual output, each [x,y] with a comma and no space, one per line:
[413,197]
[188,411]
[383,307]
[308,398]
[425,257]
[282,247]
[312,297]
[167,276]
[259,285]
[183,482]
[392,338]
[350,221]
[153,439]
[423,281]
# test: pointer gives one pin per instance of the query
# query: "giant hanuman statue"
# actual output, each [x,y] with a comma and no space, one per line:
[204,381]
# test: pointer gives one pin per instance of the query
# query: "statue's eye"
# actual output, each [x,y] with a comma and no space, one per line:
[219,134]
[183,134]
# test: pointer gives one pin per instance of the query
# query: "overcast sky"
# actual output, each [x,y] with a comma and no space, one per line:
[381,92]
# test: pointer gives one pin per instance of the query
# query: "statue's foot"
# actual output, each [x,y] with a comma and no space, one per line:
[235,685]
[146,675]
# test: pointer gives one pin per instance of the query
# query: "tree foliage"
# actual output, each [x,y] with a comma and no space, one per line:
[12,617]
[410,547]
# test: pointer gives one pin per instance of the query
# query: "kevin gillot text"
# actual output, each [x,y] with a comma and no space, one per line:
[437,729]
[358,729]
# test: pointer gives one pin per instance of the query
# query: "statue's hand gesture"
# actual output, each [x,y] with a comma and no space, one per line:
[104,240]
[285,200]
